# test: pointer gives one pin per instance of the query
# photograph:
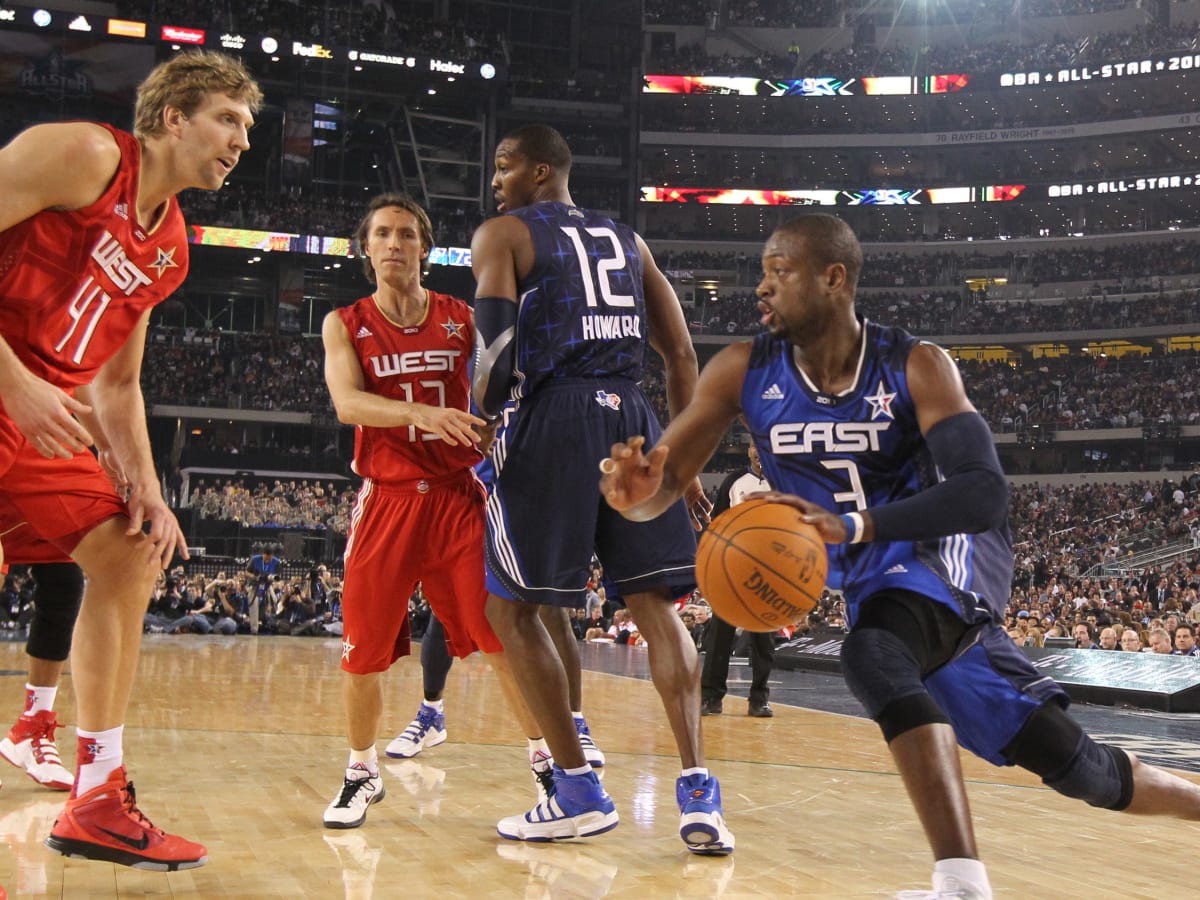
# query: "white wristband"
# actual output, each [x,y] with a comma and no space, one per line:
[854,527]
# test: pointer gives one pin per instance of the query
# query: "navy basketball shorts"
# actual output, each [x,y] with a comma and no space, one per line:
[545,513]
[990,691]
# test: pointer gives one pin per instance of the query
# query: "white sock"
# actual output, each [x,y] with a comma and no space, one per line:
[38,699]
[698,770]
[364,760]
[953,874]
[98,754]
[439,705]
[539,751]
[577,715]
[582,770]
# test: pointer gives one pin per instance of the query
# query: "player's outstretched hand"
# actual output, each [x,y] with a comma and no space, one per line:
[629,476]
[454,426]
[43,413]
[830,525]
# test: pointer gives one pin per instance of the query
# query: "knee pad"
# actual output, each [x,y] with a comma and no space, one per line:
[57,595]
[882,672]
[1054,747]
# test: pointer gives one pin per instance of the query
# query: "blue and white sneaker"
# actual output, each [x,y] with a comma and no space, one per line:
[577,806]
[427,730]
[594,757]
[701,821]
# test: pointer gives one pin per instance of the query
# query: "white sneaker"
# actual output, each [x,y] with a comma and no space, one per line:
[577,807]
[428,729]
[30,745]
[358,792]
[590,751]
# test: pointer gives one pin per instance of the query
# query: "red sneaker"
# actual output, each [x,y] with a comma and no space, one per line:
[30,746]
[106,825]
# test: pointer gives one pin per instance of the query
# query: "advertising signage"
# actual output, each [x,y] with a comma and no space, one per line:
[277,46]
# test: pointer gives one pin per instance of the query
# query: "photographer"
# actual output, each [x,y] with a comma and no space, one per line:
[167,606]
[299,615]
[263,568]
[218,610]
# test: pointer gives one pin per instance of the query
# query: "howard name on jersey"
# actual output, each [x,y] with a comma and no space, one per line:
[581,311]
[75,283]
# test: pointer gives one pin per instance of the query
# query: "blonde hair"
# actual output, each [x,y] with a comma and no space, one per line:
[184,81]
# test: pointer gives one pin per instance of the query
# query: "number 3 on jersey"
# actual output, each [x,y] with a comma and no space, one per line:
[597,265]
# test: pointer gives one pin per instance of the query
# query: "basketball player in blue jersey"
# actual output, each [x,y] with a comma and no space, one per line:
[869,433]
[566,303]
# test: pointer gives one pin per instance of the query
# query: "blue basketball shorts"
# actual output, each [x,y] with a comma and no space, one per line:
[545,513]
[989,691]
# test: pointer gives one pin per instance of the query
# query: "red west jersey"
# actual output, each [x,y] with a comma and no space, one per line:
[75,283]
[426,363]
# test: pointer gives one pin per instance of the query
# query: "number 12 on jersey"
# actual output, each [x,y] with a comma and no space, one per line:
[597,269]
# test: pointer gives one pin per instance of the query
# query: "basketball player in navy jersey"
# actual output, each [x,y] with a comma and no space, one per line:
[869,433]
[566,303]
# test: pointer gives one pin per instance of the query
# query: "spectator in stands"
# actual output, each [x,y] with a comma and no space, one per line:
[1185,641]
[1131,640]
[1108,639]
[1160,641]
[1083,636]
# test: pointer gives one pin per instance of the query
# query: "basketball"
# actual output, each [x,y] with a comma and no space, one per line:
[760,567]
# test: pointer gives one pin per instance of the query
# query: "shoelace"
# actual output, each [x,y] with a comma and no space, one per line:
[545,778]
[131,809]
[349,788]
[425,721]
[43,743]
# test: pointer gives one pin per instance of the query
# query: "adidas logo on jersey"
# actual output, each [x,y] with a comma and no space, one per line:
[363,332]
[896,570]
[773,393]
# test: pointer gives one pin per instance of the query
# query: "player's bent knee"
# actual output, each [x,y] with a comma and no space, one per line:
[1053,746]
[883,674]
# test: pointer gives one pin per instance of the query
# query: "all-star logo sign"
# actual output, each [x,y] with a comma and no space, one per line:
[56,77]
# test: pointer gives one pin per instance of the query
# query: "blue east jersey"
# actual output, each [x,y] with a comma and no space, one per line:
[862,449]
[581,312]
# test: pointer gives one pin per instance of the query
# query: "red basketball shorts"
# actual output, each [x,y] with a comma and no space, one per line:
[399,536]
[59,500]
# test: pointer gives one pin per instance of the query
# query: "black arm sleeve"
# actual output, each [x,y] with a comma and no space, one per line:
[973,496]
[495,352]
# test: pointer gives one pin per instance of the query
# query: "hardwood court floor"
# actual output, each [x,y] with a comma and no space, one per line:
[236,742]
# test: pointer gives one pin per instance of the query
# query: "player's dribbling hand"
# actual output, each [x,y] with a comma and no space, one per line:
[830,525]
[43,413]
[629,476]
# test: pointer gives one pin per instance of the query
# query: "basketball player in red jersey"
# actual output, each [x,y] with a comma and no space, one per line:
[396,366]
[91,239]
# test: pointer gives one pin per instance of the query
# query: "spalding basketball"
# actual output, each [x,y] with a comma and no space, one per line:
[760,567]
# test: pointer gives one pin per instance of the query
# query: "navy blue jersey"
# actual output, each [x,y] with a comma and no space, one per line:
[581,312]
[860,449]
